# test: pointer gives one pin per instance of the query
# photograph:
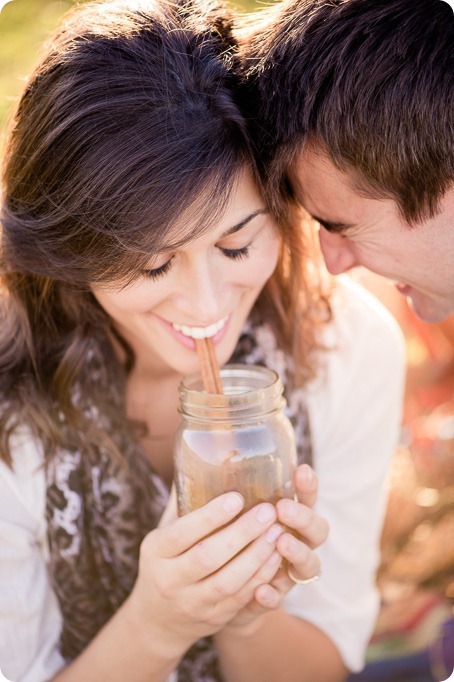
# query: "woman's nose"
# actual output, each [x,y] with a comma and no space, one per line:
[201,297]
[337,252]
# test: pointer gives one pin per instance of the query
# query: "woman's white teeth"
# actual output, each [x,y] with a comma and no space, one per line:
[201,332]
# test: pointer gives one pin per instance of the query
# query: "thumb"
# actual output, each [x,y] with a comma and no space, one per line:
[171,511]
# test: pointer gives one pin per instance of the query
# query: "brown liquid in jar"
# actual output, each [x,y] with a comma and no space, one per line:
[253,460]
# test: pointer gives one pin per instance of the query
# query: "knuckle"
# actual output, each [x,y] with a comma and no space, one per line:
[172,535]
[242,599]
[164,586]
[187,612]
[248,527]
[304,554]
[307,518]
[245,525]
[147,546]
[216,617]
[221,590]
[262,578]
[263,552]
[202,557]
[216,623]
[165,590]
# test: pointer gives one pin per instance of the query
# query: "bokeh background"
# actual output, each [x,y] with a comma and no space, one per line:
[414,637]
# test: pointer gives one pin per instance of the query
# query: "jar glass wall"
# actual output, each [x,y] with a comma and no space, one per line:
[240,440]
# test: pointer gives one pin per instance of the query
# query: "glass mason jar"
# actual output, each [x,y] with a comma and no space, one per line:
[240,441]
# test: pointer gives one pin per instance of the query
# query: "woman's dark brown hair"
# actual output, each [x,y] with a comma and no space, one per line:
[128,120]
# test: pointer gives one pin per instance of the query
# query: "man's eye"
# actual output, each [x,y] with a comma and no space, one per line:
[155,273]
[325,226]
[236,254]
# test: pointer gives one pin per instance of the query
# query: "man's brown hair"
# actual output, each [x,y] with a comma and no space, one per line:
[371,82]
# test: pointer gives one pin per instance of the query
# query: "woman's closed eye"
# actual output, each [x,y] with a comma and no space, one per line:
[233,254]
[155,273]
[236,254]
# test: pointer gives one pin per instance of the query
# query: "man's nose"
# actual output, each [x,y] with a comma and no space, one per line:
[337,252]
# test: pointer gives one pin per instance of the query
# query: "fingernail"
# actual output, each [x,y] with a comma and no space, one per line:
[273,533]
[232,502]
[265,513]
[308,473]
[291,545]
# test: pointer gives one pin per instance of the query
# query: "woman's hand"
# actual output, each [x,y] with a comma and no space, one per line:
[308,531]
[199,571]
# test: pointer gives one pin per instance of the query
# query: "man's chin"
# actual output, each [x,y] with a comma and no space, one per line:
[429,310]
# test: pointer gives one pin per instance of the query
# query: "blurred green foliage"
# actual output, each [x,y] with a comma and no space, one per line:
[24,25]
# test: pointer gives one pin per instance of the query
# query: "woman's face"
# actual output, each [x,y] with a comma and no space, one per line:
[206,288]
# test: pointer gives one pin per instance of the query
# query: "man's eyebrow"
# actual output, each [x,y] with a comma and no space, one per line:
[332,226]
[242,223]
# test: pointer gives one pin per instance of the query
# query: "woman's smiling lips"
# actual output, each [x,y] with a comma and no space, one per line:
[187,335]
[201,332]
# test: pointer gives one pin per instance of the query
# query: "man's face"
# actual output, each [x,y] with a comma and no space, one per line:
[358,230]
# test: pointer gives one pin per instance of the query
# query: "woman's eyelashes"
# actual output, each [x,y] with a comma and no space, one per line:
[233,254]
[236,254]
[155,273]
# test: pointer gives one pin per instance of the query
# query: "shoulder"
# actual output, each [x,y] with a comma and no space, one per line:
[361,380]
[362,340]
[354,407]
[357,312]
[30,619]
[23,484]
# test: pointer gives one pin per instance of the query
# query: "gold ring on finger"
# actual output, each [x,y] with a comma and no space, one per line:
[298,581]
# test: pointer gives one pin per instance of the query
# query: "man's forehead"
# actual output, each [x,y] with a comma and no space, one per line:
[321,187]
[336,198]
[313,170]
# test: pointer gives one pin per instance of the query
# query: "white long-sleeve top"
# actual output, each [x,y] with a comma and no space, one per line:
[354,410]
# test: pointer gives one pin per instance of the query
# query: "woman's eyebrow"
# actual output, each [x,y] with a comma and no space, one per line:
[172,246]
[242,223]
